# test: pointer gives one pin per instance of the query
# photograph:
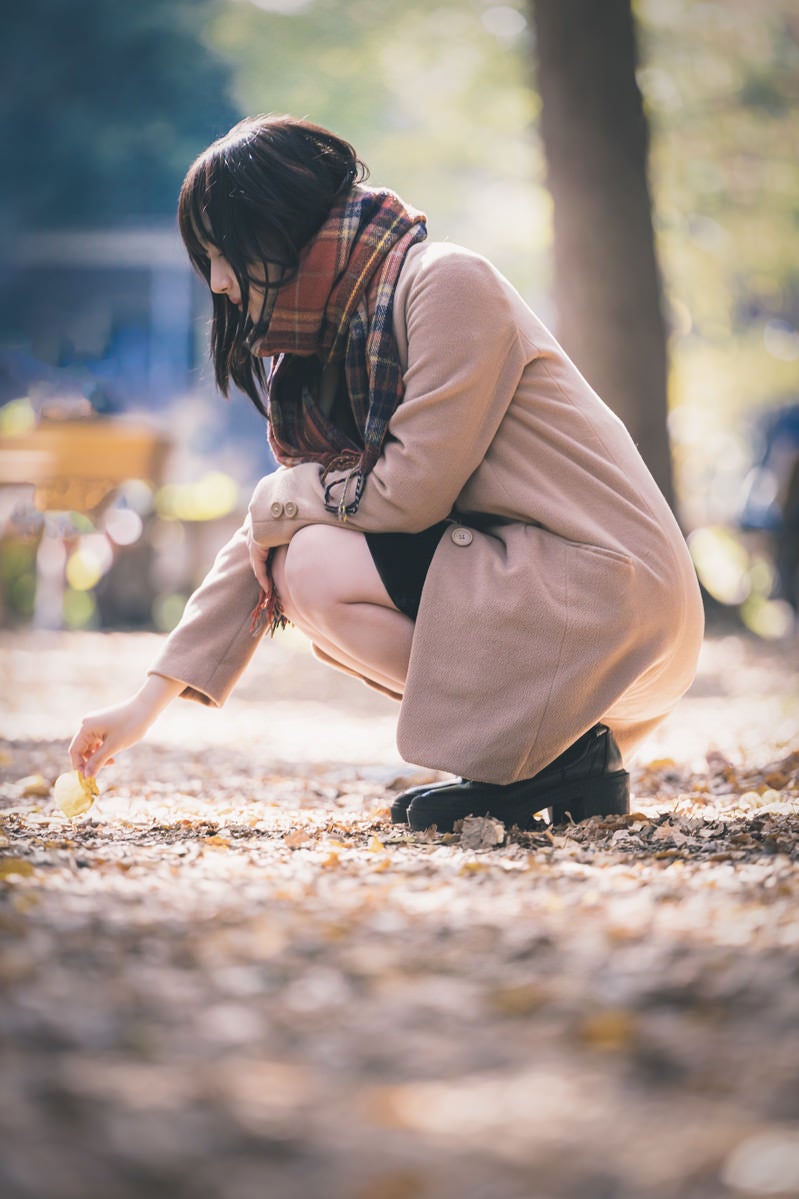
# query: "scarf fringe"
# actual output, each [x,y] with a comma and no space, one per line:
[266,616]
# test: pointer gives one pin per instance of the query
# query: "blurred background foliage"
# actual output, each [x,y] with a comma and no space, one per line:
[105,104]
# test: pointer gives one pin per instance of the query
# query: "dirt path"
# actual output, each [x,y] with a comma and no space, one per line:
[235,979]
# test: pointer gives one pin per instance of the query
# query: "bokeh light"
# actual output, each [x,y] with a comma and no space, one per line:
[167,611]
[123,525]
[79,609]
[722,564]
[209,498]
[88,563]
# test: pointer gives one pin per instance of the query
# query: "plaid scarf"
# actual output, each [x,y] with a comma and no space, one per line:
[336,308]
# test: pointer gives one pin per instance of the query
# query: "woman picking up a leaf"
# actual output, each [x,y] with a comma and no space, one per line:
[457,518]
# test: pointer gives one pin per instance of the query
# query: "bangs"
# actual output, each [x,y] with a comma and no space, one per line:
[196,215]
[213,209]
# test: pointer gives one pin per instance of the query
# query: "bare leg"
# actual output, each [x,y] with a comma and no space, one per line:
[330,589]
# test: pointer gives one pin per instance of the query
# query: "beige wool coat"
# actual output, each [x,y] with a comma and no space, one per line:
[563,592]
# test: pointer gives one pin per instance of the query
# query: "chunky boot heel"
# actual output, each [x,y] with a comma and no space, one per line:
[606,796]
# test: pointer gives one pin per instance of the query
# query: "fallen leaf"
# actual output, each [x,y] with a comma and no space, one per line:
[12,866]
[34,786]
[482,832]
[520,1000]
[610,1029]
[75,793]
[717,762]
[473,867]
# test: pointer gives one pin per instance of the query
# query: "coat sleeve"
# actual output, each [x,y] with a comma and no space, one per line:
[465,359]
[213,642]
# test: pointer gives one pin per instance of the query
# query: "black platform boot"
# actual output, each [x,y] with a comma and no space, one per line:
[587,779]
[399,808]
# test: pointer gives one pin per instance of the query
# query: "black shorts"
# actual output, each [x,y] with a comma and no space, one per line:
[402,561]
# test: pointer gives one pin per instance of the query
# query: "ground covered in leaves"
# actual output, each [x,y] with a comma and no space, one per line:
[233,978]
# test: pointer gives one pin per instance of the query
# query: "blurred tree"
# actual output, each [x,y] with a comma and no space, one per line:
[606,285]
[721,92]
[104,106]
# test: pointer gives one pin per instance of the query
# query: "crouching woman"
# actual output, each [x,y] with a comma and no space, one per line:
[457,518]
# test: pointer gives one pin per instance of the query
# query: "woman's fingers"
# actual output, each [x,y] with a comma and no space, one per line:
[89,749]
[85,742]
[101,757]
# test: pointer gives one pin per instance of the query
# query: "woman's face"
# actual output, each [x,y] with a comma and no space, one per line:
[223,282]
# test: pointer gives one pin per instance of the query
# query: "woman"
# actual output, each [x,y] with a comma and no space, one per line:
[457,519]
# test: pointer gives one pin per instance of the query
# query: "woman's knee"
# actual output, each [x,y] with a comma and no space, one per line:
[306,570]
[324,568]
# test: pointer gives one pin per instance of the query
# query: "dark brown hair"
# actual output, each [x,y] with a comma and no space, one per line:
[259,194]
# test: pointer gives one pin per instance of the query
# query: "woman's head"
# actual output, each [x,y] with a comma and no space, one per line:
[256,197]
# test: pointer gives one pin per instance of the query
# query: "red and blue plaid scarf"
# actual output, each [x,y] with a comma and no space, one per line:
[336,308]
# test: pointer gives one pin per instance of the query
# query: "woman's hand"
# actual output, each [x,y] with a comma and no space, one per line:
[105,732]
[258,557]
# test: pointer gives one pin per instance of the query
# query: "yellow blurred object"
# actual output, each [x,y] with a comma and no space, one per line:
[75,793]
[721,562]
[209,498]
[76,464]
[34,786]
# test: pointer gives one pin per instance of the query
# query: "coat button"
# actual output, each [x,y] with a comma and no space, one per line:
[461,536]
[290,508]
[276,509]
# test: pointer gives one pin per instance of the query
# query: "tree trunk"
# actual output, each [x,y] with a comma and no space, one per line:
[607,287]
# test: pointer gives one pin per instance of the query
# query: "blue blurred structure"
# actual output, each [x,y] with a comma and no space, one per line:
[115,320]
[771,501]
[113,313]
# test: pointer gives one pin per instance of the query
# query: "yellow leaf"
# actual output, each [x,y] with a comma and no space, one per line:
[34,786]
[221,842]
[331,860]
[520,999]
[376,845]
[611,1029]
[473,867]
[75,793]
[12,866]
[661,764]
